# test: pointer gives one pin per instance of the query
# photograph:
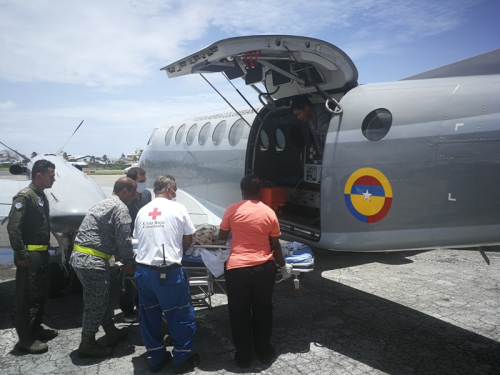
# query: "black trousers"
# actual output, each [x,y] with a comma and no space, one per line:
[249,293]
[32,291]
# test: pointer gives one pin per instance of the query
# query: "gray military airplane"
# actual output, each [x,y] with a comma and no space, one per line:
[412,164]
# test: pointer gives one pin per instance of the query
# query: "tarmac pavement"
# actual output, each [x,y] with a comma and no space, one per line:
[411,312]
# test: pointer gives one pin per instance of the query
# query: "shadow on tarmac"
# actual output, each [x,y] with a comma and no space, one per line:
[328,320]
[384,335]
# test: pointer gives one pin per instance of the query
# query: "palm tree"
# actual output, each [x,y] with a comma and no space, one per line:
[105,159]
[92,159]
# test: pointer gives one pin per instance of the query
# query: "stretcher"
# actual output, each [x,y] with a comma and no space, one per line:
[204,265]
[301,258]
[203,276]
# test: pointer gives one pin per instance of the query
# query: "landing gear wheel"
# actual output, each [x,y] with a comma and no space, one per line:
[76,285]
[167,340]
[56,280]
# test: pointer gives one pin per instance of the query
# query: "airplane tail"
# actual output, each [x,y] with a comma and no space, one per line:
[485,64]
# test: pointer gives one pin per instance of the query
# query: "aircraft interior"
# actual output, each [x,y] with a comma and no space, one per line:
[285,158]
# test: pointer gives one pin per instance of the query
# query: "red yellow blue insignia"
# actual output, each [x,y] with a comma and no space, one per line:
[368,195]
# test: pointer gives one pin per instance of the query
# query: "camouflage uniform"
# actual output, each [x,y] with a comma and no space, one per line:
[105,231]
[319,123]
[29,234]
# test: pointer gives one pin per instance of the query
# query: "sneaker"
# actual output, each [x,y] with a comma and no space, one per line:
[190,364]
[267,356]
[129,317]
[33,347]
[162,364]
[242,362]
[46,334]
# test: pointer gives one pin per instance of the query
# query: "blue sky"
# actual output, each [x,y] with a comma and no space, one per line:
[62,61]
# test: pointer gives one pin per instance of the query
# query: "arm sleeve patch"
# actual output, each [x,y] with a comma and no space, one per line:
[18,206]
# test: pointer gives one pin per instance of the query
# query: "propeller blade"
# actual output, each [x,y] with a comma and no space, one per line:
[25,158]
[59,152]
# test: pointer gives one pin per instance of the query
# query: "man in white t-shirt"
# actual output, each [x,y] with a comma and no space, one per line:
[164,230]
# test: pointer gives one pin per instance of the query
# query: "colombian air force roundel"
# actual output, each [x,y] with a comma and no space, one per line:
[368,195]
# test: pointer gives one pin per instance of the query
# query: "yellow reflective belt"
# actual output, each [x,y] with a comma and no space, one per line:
[88,250]
[37,247]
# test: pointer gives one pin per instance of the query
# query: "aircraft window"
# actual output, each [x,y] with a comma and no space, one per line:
[203,136]
[180,134]
[219,132]
[377,124]
[264,141]
[150,142]
[236,132]
[191,134]
[297,138]
[168,136]
[280,140]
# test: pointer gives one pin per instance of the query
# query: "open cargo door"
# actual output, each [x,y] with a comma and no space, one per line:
[285,65]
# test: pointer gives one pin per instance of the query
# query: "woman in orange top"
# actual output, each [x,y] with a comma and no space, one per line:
[250,272]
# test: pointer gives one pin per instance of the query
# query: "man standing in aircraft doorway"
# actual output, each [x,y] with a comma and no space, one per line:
[104,232]
[164,231]
[317,118]
[128,295]
[29,234]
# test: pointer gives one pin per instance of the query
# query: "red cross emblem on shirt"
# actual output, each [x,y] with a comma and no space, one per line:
[154,214]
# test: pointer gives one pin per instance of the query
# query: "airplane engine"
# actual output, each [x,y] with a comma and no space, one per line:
[17,169]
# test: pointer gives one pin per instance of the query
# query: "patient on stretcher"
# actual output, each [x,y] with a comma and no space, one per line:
[214,255]
[213,258]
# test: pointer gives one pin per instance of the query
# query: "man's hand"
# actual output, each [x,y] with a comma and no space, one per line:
[22,258]
[24,262]
[286,271]
[129,269]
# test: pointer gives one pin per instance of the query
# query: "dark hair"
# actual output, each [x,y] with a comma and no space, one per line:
[250,184]
[162,182]
[123,183]
[41,166]
[300,102]
[135,172]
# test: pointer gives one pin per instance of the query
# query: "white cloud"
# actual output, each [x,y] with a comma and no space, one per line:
[114,47]
[7,105]
[110,126]
[115,42]
[91,42]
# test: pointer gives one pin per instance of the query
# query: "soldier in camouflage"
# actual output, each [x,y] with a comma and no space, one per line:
[317,118]
[29,235]
[104,232]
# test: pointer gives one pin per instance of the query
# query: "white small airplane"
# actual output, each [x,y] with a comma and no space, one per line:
[70,198]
